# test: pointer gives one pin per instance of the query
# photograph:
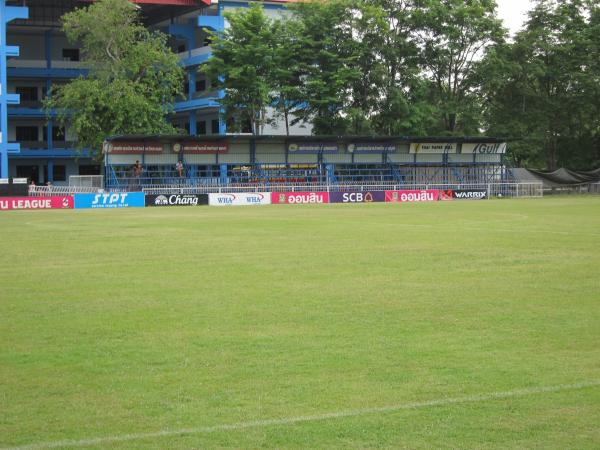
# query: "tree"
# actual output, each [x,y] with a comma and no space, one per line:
[544,88]
[133,79]
[243,64]
[453,36]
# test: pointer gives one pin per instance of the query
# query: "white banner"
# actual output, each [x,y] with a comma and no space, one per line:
[484,149]
[243,199]
[430,147]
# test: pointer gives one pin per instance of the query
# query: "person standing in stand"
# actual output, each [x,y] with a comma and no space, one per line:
[179,168]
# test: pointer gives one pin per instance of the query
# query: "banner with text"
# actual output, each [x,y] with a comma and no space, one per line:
[110,200]
[300,197]
[241,199]
[357,197]
[484,149]
[371,148]
[54,202]
[313,147]
[426,195]
[432,147]
[177,200]
[470,194]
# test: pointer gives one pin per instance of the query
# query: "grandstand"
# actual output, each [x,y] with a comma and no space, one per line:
[273,160]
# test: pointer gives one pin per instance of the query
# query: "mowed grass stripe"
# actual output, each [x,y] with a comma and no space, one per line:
[114,322]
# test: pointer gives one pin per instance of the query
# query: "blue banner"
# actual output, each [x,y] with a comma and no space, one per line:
[110,200]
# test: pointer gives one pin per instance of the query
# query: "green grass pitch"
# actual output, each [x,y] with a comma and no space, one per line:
[447,325]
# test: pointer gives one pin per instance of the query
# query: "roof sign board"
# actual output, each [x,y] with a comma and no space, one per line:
[363,147]
[133,148]
[313,147]
[431,147]
[485,149]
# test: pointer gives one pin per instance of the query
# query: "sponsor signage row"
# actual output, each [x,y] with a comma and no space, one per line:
[139,200]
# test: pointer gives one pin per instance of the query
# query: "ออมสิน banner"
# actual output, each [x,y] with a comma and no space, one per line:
[240,199]
[357,197]
[425,195]
[54,202]
[177,200]
[300,198]
[110,200]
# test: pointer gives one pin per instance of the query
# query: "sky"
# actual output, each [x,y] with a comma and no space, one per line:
[514,13]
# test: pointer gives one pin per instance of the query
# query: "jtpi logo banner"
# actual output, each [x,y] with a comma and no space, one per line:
[54,202]
[426,195]
[300,197]
[241,199]
[110,200]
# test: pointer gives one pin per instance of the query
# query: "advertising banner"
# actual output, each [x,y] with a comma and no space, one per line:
[313,147]
[203,147]
[426,195]
[437,148]
[177,200]
[371,148]
[357,197]
[110,200]
[54,202]
[300,197]
[446,196]
[243,199]
[484,149]
[470,194]
[134,148]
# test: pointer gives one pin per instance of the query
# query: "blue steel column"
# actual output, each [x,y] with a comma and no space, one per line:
[7,14]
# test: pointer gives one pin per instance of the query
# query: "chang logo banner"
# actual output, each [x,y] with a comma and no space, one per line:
[177,200]
[110,200]
[241,199]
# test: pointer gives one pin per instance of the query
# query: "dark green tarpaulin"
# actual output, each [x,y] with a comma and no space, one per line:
[562,177]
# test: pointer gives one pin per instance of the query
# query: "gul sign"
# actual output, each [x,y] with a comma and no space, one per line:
[484,149]
[371,148]
[299,198]
[243,199]
[426,195]
[54,202]
[437,148]
[177,200]
[110,200]
[357,197]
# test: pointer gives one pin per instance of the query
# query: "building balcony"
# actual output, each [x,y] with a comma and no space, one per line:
[38,68]
[195,56]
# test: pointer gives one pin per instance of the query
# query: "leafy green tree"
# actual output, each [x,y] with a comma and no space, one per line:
[453,36]
[327,59]
[243,64]
[543,89]
[133,79]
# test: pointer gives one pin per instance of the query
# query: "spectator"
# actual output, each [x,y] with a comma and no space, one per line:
[179,168]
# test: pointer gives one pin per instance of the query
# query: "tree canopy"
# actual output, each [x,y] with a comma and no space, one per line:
[133,78]
[422,67]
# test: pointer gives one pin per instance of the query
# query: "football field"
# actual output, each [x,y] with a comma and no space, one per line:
[472,324]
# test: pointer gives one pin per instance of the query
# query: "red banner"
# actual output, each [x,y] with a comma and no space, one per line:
[299,197]
[426,195]
[56,202]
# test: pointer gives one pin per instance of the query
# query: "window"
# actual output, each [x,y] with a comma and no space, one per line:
[30,172]
[89,170]
[201,127]
[215,126]
[58,134]
[27,133]
[180,48]
[27,93]
[59,173]
[70,54]
[200,85]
